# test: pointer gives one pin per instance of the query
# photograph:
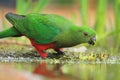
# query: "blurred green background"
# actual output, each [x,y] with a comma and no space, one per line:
[101,15]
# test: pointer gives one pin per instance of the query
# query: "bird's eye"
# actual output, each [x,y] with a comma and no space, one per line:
[85,34]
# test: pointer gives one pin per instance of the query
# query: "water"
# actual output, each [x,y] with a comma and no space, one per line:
[69,70]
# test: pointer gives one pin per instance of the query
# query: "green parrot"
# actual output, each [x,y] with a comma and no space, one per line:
[48,31]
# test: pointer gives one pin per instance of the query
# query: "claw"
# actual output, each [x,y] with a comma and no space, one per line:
[57,55]
[42,54]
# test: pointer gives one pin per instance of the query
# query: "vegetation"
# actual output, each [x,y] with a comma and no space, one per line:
[104,36]
[84,11]
[117,22]
[27,6]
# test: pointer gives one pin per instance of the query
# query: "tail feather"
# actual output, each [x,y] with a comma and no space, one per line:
[9,32]
[13,18]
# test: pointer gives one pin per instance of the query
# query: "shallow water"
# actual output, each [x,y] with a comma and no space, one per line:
[57,71]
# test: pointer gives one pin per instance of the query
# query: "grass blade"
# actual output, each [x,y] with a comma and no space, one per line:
[84,11]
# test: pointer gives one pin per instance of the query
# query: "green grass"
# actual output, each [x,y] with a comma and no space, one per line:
[117,22]
[101,17]
[30,6]
[103,35]
[84,11]
[22,6]
[40,5]
[100,22]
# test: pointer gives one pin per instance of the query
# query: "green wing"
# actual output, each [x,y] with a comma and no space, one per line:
[42,28]
[42,33]
[38,28]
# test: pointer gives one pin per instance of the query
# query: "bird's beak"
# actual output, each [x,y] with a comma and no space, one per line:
[92,40]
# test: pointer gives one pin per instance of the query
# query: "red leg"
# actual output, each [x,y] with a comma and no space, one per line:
[41,47]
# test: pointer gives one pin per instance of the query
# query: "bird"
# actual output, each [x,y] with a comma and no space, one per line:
[48,31]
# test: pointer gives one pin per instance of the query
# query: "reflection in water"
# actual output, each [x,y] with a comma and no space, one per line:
[67,71]
[49,71]
[80,71]
[53,72]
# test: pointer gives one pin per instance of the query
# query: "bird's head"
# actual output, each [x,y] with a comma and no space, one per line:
[86,35]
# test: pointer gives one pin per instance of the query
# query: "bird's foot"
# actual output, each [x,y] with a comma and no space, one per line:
[57,55]
[42,54]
